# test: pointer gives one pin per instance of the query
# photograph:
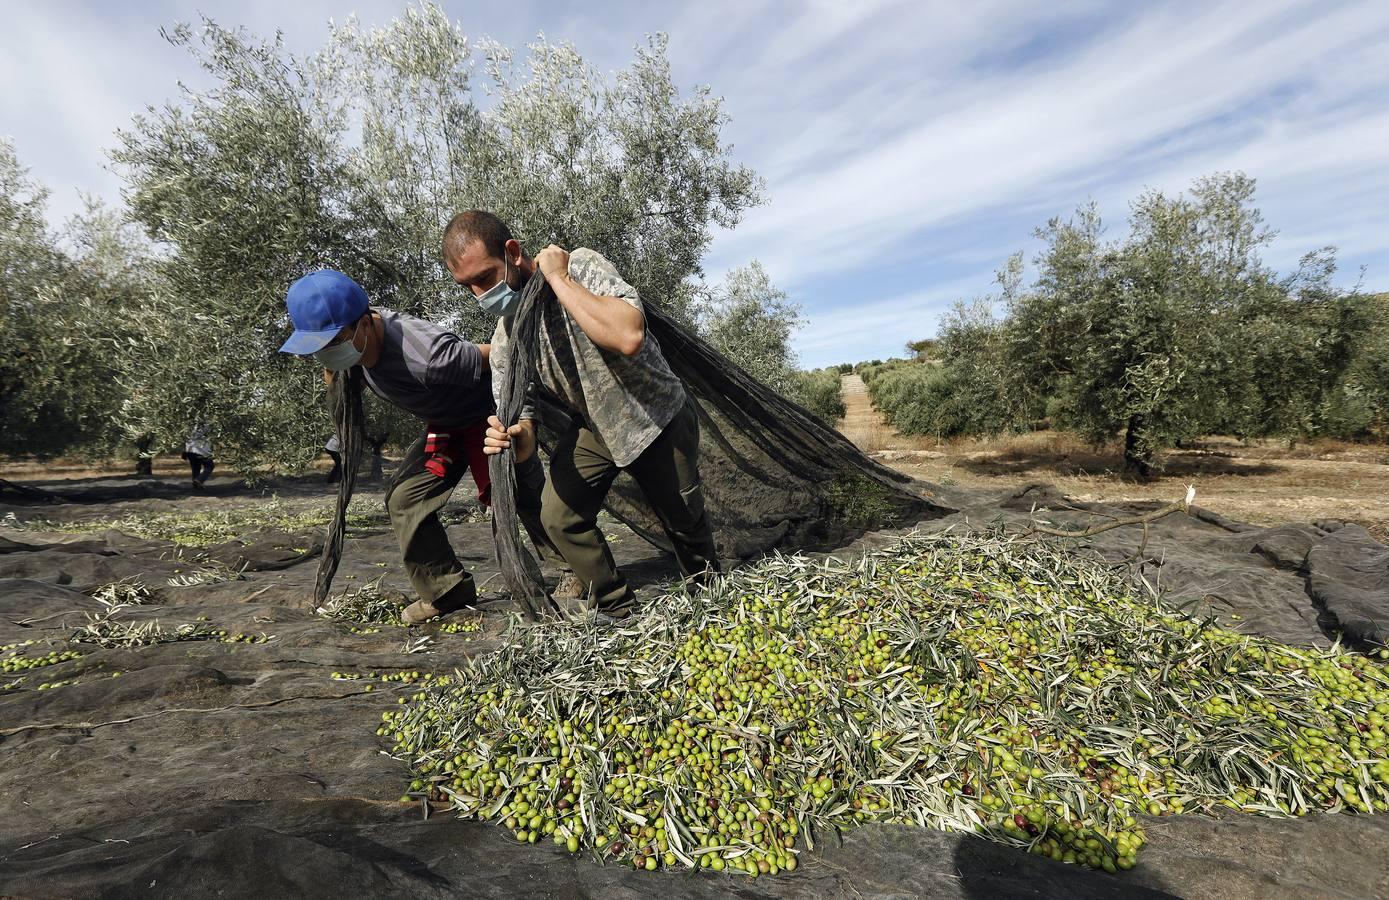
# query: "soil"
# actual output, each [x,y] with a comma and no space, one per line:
[1262,482]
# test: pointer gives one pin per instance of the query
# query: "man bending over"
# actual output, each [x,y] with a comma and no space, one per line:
[444,380]
[627,410]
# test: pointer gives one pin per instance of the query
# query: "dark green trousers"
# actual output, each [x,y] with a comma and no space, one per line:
[581,473]
[415,497]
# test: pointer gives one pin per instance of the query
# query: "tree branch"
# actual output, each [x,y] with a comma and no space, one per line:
[1182,505]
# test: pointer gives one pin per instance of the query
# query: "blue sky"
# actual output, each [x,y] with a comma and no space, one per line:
[908,147]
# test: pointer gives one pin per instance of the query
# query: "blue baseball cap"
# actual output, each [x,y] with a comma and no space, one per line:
[320,305]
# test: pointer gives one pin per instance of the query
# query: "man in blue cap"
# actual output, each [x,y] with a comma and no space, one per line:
[444,380]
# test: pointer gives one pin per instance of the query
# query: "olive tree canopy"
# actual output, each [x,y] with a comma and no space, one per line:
[67,310]
[355,158]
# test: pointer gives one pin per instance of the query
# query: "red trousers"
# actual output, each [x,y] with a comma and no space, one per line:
[445,449]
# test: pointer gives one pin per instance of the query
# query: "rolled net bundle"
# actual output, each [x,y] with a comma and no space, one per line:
[517,563]
[345,402]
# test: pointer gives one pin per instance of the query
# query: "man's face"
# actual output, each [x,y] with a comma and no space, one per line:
[477,270]
[357,333]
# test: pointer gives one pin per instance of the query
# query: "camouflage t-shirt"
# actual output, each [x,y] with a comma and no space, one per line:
[626,401]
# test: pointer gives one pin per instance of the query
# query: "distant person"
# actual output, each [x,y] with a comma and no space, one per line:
[198,451]
[445,381]
[334,449]
[627,410]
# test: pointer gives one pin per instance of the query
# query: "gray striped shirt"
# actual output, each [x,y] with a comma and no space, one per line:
[430,371]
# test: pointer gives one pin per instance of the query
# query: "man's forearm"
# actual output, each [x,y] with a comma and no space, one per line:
[610,322]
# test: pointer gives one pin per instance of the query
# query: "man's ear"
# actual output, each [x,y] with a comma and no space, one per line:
[512,249]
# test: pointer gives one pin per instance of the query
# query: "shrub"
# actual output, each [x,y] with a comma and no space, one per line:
[818,390]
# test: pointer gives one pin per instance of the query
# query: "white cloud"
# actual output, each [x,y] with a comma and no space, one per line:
[886,129]
[65,77]
[1008,138]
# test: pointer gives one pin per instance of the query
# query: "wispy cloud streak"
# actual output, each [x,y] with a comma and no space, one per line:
[908,146]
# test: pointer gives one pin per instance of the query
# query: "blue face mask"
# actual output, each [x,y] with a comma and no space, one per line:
[501,298]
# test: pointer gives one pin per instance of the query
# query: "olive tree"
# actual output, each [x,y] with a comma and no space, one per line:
[356,157]
[1132,337]
[1309,359]
[1175,330]
[751,321]
[242,186]
[967,380]
[29,263]
[65,309]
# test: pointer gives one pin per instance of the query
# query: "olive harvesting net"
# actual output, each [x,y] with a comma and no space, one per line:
[345,404]
[774,476]
[977,682]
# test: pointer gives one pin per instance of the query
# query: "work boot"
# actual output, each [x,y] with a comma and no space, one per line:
[463,596]
[569,588]
[616,611]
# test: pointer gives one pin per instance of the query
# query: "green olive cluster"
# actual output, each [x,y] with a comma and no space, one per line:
[237,637]
[428,678]
[967,682]
[469,627]
[16,660]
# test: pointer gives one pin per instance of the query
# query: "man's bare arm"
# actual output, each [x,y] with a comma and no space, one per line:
[610,322]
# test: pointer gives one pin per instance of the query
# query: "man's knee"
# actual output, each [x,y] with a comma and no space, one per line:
[559,519]
[685,513]
[397,502]
[556,520]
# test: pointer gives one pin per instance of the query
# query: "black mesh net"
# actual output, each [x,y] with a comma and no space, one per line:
[345,402]
[775,476]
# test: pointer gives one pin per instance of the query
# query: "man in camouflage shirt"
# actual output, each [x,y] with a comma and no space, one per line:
[628,411]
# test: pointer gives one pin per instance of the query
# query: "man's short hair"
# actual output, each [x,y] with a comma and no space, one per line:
[475,225]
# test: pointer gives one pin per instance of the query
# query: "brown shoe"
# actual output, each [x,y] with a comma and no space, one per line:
[463,596]
[569,588]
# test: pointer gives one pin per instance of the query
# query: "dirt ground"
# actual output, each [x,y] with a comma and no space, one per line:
[214,766]
[1265,482]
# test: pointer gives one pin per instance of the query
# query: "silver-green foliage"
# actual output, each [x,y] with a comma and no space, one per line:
[750,321]
[1131,336]
[1181,330]
[819,391]
[66,303]
[355,158]
[973,387]
[1313,360]
[1175,330]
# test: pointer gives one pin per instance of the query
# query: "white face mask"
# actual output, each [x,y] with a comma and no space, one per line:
[501,298]
[343,356]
